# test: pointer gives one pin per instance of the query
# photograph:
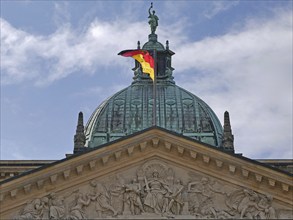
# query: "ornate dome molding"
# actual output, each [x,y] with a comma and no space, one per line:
[131,110]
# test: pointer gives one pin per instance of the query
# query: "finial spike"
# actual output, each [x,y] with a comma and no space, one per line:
[228,137]
[80,118]
[227,125]
[167,45]
[138,44]
[79,137]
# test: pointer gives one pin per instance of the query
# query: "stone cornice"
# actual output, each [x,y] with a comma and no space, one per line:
[152,143]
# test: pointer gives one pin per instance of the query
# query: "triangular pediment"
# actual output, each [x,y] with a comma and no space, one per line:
[152,174]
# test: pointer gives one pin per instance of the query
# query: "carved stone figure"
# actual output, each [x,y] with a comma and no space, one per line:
[56,206]
[156,189]
[266,210]
[32,210]
[132,196]
[116,191]
[205,192]
[176,201]
[245,203]
[45,207]
[102,199]
[77,209]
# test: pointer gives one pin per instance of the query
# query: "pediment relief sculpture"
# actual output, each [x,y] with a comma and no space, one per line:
[155,189]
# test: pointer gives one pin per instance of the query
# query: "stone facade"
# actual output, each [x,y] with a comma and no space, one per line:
[12,168]
[150,175]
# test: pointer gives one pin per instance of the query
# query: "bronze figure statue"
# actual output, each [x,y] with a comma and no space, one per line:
[153,20]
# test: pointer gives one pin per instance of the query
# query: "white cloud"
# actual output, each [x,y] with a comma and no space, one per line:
[45,59]
[218,7]
[100,92]
[249,72]
[61,13]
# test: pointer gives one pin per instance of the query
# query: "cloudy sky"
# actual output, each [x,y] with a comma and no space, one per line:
[60,57]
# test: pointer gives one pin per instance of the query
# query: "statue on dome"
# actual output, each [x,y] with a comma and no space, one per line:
[153,20]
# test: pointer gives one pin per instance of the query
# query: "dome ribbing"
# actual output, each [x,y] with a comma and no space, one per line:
[131,110]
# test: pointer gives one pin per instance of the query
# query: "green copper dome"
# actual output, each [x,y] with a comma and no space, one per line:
[131,109]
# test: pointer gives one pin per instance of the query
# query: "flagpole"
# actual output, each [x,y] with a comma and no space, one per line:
[155,90]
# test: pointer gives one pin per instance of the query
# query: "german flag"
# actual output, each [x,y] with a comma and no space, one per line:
[144,58]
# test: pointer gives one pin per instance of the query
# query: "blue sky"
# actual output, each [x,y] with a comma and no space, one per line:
[60,57]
